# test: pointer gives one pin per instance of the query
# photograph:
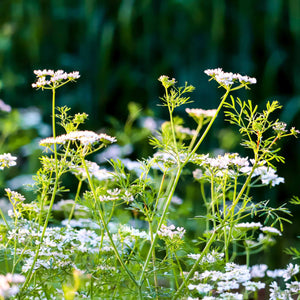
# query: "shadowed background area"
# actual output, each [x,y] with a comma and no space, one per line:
[120,49]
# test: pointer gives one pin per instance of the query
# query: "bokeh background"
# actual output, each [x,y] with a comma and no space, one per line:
[120,49]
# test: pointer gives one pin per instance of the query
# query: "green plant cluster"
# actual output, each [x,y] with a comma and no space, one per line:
[123,235]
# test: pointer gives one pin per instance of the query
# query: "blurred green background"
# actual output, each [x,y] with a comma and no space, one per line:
[120,49]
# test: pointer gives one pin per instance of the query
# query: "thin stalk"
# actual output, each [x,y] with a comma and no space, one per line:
[173,269]
[200,124]
[208,126]
[171,109]
[158,195]
[161,221]
[76,197]
[53,129]
[29,275]
[105,225]
[195,266]
[4,219]
[153,260]
[180,268]
[212,195]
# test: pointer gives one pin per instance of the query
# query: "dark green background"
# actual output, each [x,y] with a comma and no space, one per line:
[122,47]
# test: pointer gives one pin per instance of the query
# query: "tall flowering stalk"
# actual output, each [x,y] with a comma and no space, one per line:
[173,98]
[50,80]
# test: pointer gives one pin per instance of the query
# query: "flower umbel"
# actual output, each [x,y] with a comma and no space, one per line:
[7,160]
[227,79]
[48,79]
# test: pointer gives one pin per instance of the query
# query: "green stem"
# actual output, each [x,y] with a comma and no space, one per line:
[4,219]
[57,176]
[29,275]
[200,124]
[195,266]
[76,197]
[105,225]
[158,195]
[212,195]
[161,221]
[209,125]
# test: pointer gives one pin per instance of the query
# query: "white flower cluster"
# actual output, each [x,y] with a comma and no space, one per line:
[85,137]
[61,245]
[232,164]
[185,130]
[166,159]
[171,232]
[210,258]
[94,171]
[257,225]
[225,161]
[166,81]
[222,283]
[7,160]
[14,196]
[292,288]
[199,113]
[80,223]
[228,78]
[248,226]
[50,78]
[9,285]
[125,229]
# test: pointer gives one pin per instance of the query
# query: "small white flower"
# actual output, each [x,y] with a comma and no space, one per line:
[275,273]
[290,271]
[171,232]
[270,230]
[231,296]
[258,271]
[201,287]
[294,286]
[248,225]
[85,137]
[7,160]
[50,78]
[227,285]
[253,286]
[228,78]
[198,113]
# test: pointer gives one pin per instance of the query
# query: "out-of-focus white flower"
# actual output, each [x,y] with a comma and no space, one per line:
[248,225]
[202,288]
[166,81]
[8,284]
[171,231]
[201,113]
[258,271]
[294,286]
[231,296]
[227,285]
[14,196]
[7,160]
[253,286]
[290,271]
[4,107]
[270,230]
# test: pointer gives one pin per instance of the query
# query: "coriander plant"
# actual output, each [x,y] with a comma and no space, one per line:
[118,238]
